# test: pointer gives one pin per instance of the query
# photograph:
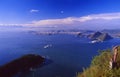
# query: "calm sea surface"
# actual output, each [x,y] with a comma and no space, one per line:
[69,54]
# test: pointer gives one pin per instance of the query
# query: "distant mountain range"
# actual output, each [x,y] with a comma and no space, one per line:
[94,36]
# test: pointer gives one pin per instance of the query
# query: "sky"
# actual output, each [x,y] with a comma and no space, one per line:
[71,13]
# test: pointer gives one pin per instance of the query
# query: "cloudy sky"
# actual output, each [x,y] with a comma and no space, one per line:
[70,13]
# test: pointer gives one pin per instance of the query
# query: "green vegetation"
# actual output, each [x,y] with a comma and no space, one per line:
[100,66]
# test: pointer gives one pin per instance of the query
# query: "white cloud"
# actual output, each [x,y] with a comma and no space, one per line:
[105,20]
[11,24]
[34,11]
[73,20]
[69,20]
[105,16]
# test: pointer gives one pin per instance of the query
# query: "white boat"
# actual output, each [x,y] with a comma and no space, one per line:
[48,45]
[95,41]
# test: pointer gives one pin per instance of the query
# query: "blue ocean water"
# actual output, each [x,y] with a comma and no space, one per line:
[69,54]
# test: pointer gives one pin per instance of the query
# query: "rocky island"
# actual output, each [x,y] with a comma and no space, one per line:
[25,63]
[98,36]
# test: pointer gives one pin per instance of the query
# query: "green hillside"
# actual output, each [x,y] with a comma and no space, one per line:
[100,66]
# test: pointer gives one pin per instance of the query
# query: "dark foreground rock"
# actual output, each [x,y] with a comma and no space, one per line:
[20,65]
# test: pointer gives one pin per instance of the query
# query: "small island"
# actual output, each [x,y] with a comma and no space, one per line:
[25,63]
[99,37]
